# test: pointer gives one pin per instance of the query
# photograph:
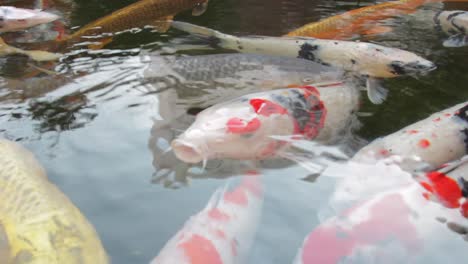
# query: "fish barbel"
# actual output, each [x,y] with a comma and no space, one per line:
[139,14]
[38,223]
[359,21]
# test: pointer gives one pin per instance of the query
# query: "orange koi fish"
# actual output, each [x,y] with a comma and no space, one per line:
[223,232]
[137,15]
[359,21]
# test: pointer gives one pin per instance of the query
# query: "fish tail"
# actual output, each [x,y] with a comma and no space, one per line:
[215,38]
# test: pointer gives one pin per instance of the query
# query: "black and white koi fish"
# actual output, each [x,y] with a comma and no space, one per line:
[365,59]
[455,24]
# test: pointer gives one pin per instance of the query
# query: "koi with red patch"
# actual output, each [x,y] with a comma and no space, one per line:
[223,232]
[243,128]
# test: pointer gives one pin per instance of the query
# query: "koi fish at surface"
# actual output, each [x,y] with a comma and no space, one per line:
[393,226]
[361,21]
[364,59]
[244,128]
[38,223]
[137,15]
[223,232]
[16,19]
[438,139]
[454,23]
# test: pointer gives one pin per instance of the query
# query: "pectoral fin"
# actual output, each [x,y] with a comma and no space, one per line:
[199,9]
[376,93]
[5,253]
[162,24]
[456,41]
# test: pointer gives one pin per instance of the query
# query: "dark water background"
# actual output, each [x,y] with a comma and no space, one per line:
[94,136]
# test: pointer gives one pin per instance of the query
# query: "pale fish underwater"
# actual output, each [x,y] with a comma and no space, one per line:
[440,138]
[223,232]
[16,19]
[369,60]
[39,224]
[246,127]
[455,24]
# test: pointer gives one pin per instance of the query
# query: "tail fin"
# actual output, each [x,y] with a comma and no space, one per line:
[216,38]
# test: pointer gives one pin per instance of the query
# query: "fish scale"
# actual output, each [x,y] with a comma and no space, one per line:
[39,222]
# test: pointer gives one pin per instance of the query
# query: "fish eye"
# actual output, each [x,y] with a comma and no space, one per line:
[308,80]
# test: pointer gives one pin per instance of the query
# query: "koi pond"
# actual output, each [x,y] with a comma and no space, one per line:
[101,122]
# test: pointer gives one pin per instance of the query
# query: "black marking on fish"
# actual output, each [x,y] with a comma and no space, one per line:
[307,52]
[194,110]
[464,186]
[461,113]
[459,28]
[449,17]
[214,41]
[378,50]
[465,131]
[437,19]
[397,68]
[336,43]
[240,47]
[353,61]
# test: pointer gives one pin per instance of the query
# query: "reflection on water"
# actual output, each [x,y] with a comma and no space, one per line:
[103,125]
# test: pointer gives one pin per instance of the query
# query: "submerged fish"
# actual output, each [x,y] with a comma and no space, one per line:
[223,232]
[15,19]
[365,59]
[361,21]
[247,127]
[438,139]
[37,55]
[139,14]
[210,72]
[454,23]
[38,223]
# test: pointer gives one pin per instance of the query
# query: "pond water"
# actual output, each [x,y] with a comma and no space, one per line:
[97,133]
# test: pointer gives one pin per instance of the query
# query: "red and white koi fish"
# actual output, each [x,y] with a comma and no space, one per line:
[369,60]
[223,232]
[390,227]
[438,139]
[454,23]
[246,127]
[15,19]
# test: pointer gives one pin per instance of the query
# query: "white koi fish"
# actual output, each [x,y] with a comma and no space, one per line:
[455,24]
[15,19]
[438,139]
[248,127]
[223,232]
[365,59]
[393,226]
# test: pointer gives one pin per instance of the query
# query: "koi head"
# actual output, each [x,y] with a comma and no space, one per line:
[411,66]
[14,19]
[235,129]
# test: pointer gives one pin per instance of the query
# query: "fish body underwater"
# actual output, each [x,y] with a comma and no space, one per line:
[245,127]
[454,23]
[234,70]
[369,60]
[16,19]
[438,139]
[361,21]
[38,223]
[139,14]
[223,232]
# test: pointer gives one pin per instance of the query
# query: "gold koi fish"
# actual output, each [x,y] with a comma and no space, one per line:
[38,223]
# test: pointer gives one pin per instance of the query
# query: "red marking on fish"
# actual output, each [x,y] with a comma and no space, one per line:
[252,184]
[266,108]
[238,196]
[424,143]
[384,152]
[216,214]
[220,233]
[444,188]
[412,131]
[200,250]
[311,89]
[390,212]
[464,209]
[447,114]
[437,119]
[237,125]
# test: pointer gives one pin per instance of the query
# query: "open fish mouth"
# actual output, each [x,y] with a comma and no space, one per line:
[187,152]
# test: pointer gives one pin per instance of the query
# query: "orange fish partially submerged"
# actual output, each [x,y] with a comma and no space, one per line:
[361,21]
[137,15]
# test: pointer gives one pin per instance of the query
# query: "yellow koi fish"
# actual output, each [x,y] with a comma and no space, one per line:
[38,223]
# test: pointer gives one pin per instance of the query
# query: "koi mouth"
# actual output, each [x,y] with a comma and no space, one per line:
[186,152]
